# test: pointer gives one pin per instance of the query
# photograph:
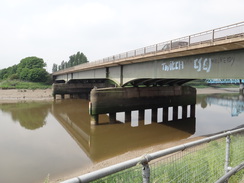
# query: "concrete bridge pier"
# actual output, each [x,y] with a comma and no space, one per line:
[241,89]
[165,114]
[127,116]
[113,100]
[193,111]
[112,118]
[154,115]
[94,119]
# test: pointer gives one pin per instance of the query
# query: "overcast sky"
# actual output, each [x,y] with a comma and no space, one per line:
[55,29]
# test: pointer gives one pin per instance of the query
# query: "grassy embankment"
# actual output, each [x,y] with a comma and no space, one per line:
[18,84]
[203,84]
[203,165]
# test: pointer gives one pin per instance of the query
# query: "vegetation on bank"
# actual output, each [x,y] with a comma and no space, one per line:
[18,84]
[30,73]
[203,164]
[29,69]
[76,59]
[201,83]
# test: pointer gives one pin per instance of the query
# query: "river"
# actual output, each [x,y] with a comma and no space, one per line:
[55,138]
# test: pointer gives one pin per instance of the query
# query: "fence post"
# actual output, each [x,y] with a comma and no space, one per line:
[145,172]
[213,35]
[227,154]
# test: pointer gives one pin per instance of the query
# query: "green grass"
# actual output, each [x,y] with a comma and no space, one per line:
[202,164]
[18,84]
[203,84]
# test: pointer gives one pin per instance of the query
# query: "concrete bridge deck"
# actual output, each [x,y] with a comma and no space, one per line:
[224,44]
[230,37]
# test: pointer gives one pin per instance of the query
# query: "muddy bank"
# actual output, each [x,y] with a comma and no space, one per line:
[15,95]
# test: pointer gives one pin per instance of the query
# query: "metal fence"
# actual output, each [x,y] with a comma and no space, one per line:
[222,33]
[211,159]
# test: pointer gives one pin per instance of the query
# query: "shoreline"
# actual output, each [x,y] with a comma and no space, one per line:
[20,95]
[24,95]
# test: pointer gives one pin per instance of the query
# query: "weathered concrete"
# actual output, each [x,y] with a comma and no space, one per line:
[112,100]
[80,88]
[227,64]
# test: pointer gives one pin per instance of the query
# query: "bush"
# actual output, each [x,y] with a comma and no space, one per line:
[37,75]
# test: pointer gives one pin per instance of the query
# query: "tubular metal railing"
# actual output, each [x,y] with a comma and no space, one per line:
[207,160]
[222,33]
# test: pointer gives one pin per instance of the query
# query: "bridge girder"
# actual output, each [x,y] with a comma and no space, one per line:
[169,71]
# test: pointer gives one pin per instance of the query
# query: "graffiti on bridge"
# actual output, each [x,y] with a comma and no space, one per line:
[199,64]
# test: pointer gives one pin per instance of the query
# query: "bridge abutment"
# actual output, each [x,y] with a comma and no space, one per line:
[78,88]
[113,100]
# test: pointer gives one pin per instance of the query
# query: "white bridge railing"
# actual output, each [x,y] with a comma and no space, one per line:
[222,33]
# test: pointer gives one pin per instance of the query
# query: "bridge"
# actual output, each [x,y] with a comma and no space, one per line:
[160,69]
[216,54]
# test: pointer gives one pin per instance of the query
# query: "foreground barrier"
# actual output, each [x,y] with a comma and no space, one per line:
[211,159]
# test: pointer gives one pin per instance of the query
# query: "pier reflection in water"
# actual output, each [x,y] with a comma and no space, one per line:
[107,140]
[33,144]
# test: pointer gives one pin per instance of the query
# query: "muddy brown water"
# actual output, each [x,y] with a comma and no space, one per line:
[40,139]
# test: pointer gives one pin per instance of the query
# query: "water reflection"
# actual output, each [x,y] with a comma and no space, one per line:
[31,116]
[50,148]
[108,140]
[235,102]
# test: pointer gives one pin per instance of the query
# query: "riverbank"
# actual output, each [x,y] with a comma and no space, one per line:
[17,95]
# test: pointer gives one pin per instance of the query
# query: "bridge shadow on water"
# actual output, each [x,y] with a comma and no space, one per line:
[108,139]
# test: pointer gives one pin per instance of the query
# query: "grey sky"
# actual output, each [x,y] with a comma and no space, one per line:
[55,29]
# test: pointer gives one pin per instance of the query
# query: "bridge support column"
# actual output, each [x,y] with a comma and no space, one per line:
[184,112]
[141,114]
[62,96]
[175,113]
[112,118]
[193,111]
[94,119]
[155,115]
[241,89]
[131,99]
[127,116]
[165,114]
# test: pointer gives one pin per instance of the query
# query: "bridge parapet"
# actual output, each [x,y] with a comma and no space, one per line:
[219,38]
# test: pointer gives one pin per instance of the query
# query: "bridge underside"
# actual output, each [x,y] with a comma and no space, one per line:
[157,82]
[168,71]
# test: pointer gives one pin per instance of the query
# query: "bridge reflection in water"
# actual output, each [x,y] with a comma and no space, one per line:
[233,102]
[107,139]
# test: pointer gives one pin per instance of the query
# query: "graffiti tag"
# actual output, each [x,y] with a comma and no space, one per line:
[173,65]
[201,64]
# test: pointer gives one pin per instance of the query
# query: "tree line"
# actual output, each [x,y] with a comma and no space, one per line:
[32,68]
[76,59]
[29,69]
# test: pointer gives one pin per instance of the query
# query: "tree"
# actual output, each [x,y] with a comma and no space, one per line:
[32,69]
[76,59]
[37,75]
[55,68]
[31,63]
[23,75]
[29,69]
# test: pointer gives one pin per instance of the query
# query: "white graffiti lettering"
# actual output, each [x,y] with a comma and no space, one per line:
[173,65]
[203,64]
